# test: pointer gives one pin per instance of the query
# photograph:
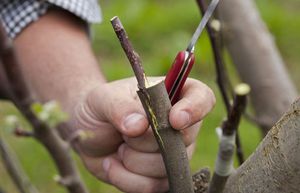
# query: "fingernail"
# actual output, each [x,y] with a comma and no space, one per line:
[184,119]
[106,164]
[133,121]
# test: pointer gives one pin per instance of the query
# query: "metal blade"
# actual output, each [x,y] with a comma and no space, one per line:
[212,6]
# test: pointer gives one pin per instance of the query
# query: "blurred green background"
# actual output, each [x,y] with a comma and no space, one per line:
[158,30]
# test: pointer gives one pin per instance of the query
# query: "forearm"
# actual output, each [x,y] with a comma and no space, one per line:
[57,59]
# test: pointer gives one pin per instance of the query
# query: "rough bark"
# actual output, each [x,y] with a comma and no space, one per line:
[157,105]
[201,180]
[275,166]
[257,60]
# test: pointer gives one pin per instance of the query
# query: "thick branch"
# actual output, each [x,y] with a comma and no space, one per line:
[157,105]
[275,165]
[15,170]
[23,101]
[257,60]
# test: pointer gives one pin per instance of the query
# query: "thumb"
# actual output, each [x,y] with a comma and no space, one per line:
[117,103]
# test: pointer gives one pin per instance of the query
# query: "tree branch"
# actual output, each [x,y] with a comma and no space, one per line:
[214,36]
[157,105]
[15,170]
[49,137]
[274,166]
[222,77]
[230,126]
[132,56]
[224,163]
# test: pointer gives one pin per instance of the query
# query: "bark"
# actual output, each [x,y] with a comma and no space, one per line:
[157,105]
[201,180]
[224,162]
[275,166]
[257,60]
[216,45]
[132,56]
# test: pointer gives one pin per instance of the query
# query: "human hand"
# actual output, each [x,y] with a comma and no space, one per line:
[122,150]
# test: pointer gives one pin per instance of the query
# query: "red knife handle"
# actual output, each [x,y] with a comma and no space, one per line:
[178,74]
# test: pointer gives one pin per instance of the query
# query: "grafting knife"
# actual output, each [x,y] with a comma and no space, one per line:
[184,60]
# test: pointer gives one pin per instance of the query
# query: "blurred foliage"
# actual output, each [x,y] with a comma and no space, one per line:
[50,113]
[158,30]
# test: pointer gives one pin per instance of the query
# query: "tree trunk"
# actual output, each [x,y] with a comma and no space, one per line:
[275,166]
[257,60]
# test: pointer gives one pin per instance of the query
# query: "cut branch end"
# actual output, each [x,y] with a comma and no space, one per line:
[242,89]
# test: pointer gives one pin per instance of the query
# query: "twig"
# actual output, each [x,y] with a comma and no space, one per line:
[132,56]
[222,79]
[15,170]
[49,137]
[239,148]
[157,105]
[20,132]
[224,163]
[234,117]
[231,124]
